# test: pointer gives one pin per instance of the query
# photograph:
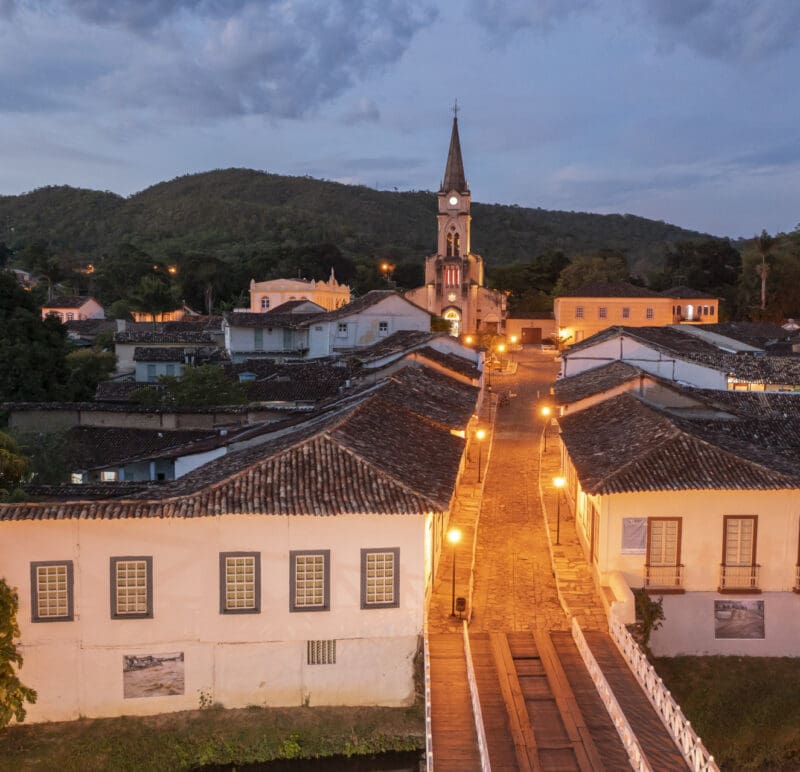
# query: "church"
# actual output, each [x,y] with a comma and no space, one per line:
[454,275]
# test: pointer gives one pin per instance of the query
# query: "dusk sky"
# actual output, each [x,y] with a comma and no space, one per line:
[679,110]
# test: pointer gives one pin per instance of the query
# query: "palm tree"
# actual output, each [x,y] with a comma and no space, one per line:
[764,244]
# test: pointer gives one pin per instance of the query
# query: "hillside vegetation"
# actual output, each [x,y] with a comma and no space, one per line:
[236,212]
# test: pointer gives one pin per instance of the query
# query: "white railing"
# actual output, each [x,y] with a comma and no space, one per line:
[697,756]
[663,577]
[738,577]
[474,697]
[426,666]
[629,740]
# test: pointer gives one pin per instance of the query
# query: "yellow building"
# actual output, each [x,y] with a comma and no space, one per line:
[595,307]
[266,295]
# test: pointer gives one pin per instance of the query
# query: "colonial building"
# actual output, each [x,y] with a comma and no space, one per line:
[266,295]
[454,276]
[72,307]
[595,307]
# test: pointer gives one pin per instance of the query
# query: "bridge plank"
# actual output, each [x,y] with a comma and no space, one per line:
[586,753]
[521,731]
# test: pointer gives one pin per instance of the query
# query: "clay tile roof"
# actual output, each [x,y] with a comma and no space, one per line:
[452,362]
[290,305]
[440,398]
[67,301]
[268,319]
[372,458]
[752,404]
[171,335]
[397,343]
[683,292]
[758,334]
[594,381]
[623,446]
[373,297]
[619,289]
[94,447]
[115,391]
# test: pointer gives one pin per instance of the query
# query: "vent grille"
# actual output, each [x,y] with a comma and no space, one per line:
[321,652]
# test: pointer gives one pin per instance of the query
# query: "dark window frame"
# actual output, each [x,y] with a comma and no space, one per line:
[70,617]
[326,590]
[365,551]
[223,609]
[148,560]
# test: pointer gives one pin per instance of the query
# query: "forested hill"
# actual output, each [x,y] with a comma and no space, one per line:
[241,212]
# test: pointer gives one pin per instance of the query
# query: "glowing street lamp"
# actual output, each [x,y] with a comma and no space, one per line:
[454,537]
[558,484]
[545,411]
[468,340]
[480,436]
[513,340]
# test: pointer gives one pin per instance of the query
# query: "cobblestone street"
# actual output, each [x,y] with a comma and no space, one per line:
[514,585]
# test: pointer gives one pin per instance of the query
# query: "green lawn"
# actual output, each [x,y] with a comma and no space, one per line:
[746,709]
[175,741]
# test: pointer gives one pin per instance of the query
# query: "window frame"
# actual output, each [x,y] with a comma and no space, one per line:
[148,561]
[35,565]
[602,312]
[326,581]
[365,553]
[223,608]
[383,328]
[579,312]
[754,551]
[678,539]
[649,313]
[626,312]
[342,330]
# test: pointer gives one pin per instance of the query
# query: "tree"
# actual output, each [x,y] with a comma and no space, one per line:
[764,244]
[13,464]
[605,266]
[87,368]
[32,350]
[152,296]
[42,263]
[13,694]
[203,386]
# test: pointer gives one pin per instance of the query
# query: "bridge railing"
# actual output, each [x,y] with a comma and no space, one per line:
[680,728]
[629,740]
[477,713]
[426,666]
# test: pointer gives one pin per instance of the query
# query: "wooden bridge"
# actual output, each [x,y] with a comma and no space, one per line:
[539,707]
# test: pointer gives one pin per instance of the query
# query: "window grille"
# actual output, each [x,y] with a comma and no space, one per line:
[52,591]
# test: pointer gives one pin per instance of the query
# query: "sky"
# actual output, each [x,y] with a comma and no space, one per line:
[685,111]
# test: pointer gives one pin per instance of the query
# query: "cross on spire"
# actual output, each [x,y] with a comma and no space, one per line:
[456,109]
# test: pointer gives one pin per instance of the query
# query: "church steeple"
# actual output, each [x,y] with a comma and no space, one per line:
[454,178]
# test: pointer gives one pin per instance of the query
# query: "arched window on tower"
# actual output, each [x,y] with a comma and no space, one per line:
[456,245]
[449,244]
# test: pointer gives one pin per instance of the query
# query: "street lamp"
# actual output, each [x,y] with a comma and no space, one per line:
[513,340]
[480,436]
[558,483]
[468,340]
[454,537]
[546,415]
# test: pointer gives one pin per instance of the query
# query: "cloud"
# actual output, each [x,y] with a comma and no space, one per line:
[502,18]
[726,29]
[209,59]
[363,111]
[717,29]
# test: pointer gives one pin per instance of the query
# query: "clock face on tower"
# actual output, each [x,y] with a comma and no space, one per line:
[453,200]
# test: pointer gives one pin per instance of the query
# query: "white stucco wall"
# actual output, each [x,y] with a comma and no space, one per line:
[273,339]
[363,327]
[689,626]
[236,659]
[642,356]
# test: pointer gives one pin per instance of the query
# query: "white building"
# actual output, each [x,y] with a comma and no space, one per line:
[73,308]
[291,572]
[365,321]
[699,505]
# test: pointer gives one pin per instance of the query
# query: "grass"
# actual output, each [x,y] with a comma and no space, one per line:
[175,741]
[746,709]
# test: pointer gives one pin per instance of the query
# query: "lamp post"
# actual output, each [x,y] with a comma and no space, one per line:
[454,537]
[480,436]
[558,484]
[513,340]
[546,415]
[501,350]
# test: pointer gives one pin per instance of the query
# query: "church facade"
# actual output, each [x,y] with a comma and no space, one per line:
[454,275]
